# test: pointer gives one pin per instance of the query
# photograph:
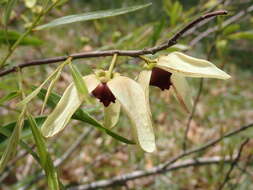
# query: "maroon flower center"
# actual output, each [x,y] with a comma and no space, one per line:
[104,94]
[160,78]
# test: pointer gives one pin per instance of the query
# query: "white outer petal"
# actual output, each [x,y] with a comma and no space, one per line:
[111,114]
[188,66]
[68,104]
[144,80]
[182,91]
[91,81]
[132,98]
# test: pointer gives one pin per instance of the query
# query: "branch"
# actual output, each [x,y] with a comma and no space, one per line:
[161,168]
[122,179]
[72,148]
[196,101]
[233,164]
[132,53]
[226,23]
[61,160]
[207,145]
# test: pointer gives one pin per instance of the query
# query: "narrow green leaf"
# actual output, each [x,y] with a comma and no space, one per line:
[91,16]
[29,150]
[7,11]
[13,36]
[82,115]
[9,97]
[45,159]
[28,98]
[13,141]
[158,28]
[79,83]
[247,35]
[230,29]
[50,88]
[6,131]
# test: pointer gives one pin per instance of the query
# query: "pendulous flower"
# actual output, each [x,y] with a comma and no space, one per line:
[169,72]
[114,91]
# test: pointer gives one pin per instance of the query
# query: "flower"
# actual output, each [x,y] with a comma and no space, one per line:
[169,72]
[114,91]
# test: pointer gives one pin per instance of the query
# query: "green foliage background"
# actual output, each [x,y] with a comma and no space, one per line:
[223,106]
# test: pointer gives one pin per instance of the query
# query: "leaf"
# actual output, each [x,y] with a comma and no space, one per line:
[132,99]
[9,97]
[13,141]
[176,13]
[45,159]
[230,29]
[13,36]
[247,35]
[7,130]
[79,83]
[7,11]
[157,31]
[182,91]
[50,88]
[91,16]
[84,116]
[28,98]
[188,66]
[111,115]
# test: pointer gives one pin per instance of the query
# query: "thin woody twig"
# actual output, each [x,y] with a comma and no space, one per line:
[225,23]
[122,179]
[62,159]
[192,114]
[157,169]
[162,168]
[132,53]
[196,101]
[207,145]
[233,164]
[72,148]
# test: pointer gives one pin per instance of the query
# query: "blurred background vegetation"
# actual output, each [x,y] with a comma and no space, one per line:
[223,105]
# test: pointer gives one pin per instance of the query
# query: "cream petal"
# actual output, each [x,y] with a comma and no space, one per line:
[111,114]
[182,91]
[188,66]
[68,104]
[91,81]
[132,98]
[143,80]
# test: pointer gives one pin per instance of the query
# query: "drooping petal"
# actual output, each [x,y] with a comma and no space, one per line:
[182,91]
[132,98]
[143,80]
[68,104]
[188,66]
[111,114]
[91,82]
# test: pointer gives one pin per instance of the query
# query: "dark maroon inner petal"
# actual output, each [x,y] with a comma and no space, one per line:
[160,78]
[104,94]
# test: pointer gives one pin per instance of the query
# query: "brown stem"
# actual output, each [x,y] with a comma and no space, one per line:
[132,53]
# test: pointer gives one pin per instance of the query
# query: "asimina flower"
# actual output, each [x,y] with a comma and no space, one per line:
[169,72]
[114,92]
